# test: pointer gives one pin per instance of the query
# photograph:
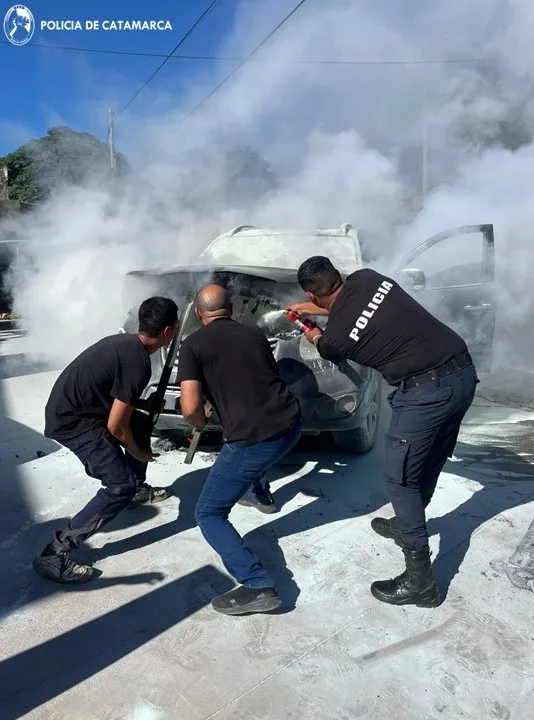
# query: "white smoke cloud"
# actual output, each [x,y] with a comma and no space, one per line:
[494,188]
[337,138]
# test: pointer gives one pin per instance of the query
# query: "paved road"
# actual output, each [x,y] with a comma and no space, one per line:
[144,631]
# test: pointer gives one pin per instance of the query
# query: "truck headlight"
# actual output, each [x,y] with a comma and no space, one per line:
[347,403]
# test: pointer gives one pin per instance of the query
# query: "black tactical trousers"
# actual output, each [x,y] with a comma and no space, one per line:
[422,435]
[120,474]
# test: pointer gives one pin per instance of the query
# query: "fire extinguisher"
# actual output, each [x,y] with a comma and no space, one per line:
[303,324]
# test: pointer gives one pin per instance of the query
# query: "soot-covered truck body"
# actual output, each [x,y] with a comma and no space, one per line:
[343,400]
[259,267]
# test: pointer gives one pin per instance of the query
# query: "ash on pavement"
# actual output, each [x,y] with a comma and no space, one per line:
[144,632]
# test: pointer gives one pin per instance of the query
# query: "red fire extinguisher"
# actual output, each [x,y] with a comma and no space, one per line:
[303,324]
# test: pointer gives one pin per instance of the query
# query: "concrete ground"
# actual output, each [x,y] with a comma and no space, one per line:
[142,640]
[514,388]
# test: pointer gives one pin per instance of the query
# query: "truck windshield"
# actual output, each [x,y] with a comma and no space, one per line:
[281,250]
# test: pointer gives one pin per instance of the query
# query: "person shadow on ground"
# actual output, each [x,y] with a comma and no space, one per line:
[503,480]
[342,487]
[345,487]
[338,494]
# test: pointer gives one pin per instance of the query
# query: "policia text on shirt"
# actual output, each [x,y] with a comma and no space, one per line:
[374,322]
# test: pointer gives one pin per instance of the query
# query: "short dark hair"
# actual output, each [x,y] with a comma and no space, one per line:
[317,275]
[155,314]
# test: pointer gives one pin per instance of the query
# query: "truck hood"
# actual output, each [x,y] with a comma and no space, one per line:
[254,290]
[192,272]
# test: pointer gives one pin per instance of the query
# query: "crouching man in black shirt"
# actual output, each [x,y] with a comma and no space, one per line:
[375,323]
[232,365]
[90,412]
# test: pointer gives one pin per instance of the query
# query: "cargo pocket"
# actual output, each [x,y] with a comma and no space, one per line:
[395,461]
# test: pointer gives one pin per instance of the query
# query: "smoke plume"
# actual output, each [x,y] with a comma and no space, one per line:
[344,141]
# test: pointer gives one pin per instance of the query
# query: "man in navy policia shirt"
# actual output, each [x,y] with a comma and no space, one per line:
[375,323]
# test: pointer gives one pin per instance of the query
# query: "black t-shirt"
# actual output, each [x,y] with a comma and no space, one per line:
[239,377]
[117,367]
[375,323]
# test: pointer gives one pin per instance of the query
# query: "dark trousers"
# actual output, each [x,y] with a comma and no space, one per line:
[259,490]
[422,435]
[234,472]
[120,474]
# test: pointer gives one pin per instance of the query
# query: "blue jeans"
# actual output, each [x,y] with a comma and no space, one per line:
[422,434]
[236,469]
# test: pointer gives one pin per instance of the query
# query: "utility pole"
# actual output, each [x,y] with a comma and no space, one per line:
[111,141]
[424,155]
[424,161]
[4,184]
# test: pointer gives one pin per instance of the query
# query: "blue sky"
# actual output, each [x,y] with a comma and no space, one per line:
[43,87]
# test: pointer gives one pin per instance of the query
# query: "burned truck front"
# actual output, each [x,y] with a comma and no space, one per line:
[332,398]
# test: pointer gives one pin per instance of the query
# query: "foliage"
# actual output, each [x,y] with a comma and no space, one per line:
[62,156]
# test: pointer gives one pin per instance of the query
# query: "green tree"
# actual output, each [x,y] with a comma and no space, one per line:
[62,156]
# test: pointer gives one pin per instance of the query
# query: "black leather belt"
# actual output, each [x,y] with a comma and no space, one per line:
[449,368]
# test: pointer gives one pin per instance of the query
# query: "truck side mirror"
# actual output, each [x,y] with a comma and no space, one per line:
[411,278]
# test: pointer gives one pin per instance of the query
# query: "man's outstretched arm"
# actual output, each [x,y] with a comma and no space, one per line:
[307,308]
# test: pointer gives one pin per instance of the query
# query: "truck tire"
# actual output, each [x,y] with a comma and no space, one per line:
[362,439]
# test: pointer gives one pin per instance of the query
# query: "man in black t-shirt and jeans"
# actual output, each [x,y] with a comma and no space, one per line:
[90,412]
[232,365]
[375,323]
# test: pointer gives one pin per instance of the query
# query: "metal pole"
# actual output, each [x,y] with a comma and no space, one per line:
[111,141]
[424,171]
[4,184]
[424,159]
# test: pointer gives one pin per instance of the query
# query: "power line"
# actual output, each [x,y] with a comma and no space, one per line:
[218,58]
[244,61]
[156,71]
[237,68]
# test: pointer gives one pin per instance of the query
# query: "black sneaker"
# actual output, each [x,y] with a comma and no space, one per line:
[243,600]
[265,503]
[148,495]
[62,569]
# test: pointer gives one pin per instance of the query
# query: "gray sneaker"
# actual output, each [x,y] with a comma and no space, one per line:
[62,569]
[263,502]
[147,495]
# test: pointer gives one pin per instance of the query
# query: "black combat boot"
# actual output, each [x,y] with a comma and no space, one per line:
[416,585]
[387,528]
